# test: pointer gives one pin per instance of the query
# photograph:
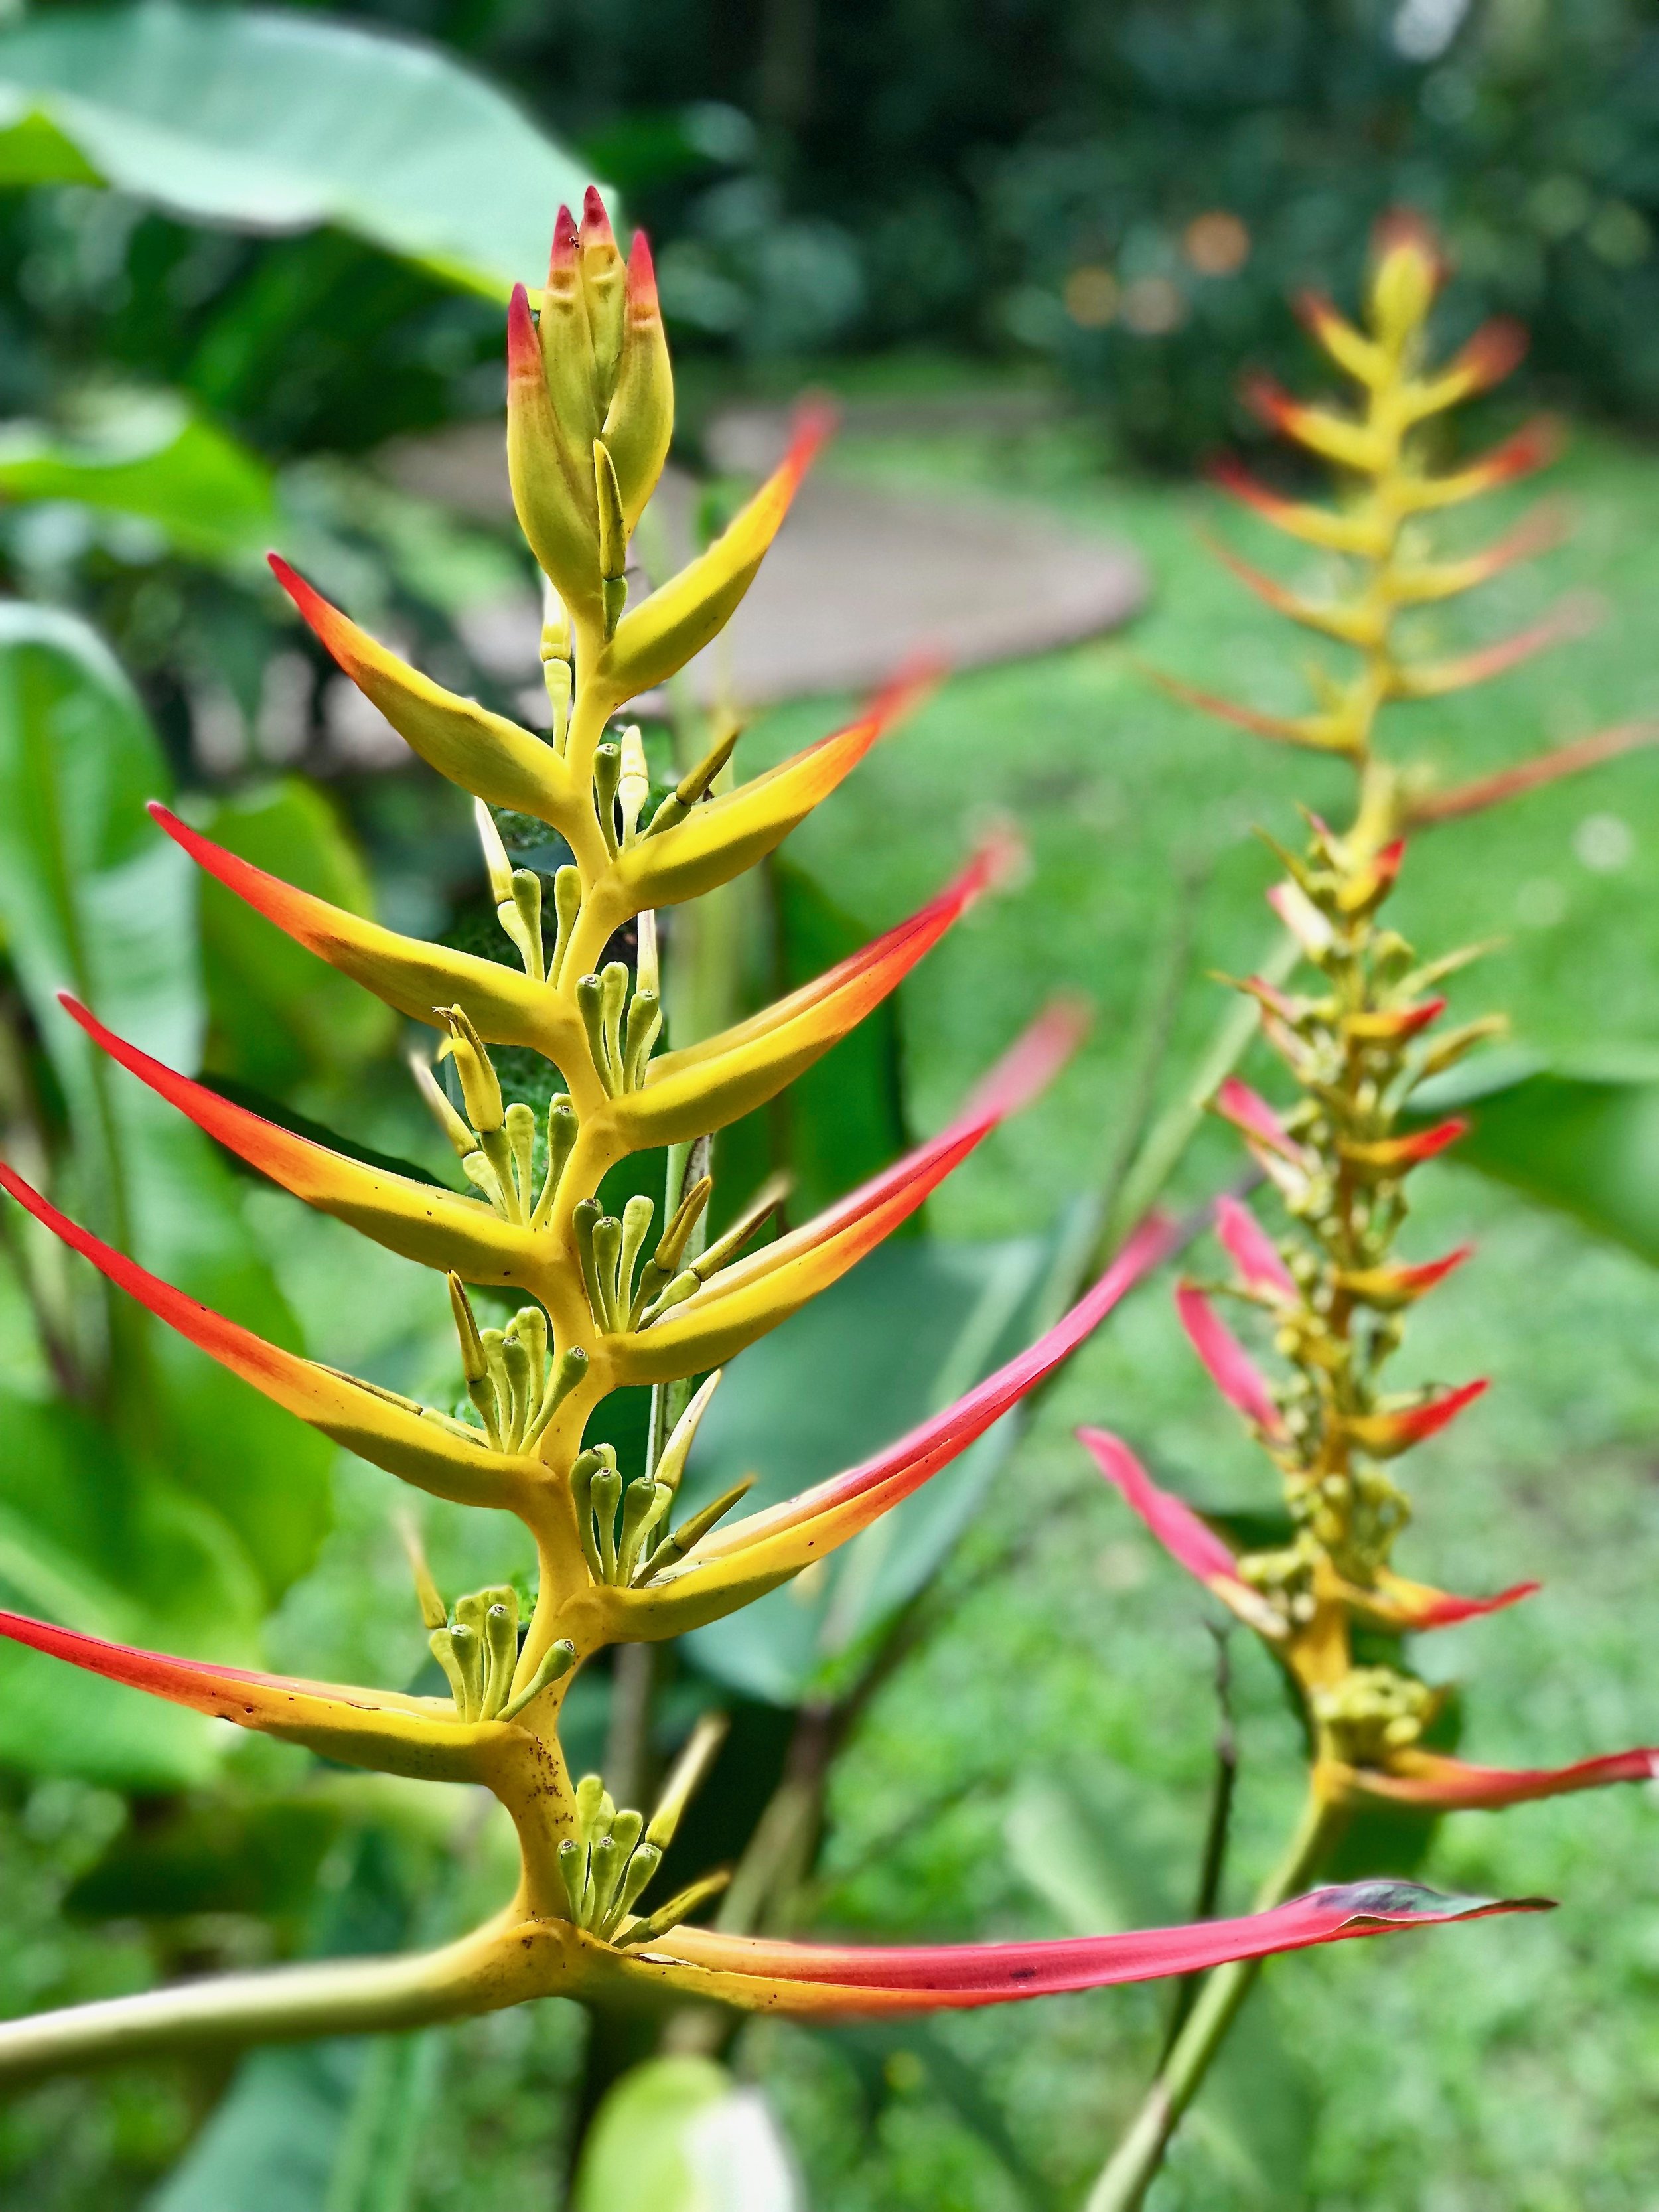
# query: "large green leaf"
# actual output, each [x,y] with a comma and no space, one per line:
[1579,1134]
[152,456]
[267,120]
[277,1013]
[915,1325]
[679,2135]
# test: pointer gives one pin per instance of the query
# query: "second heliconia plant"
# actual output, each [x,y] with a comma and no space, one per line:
[612,1296]
[1356,1020]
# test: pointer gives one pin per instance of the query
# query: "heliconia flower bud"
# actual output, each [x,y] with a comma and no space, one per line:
[566,341]
[1407,271]
[551,477]
[607,1489]
[1231,1368]
[1252,1251]
[685,1777]
[1386,1435]
[639,423]
[497,866]
[479,1088]
[607,1251]
[435,1613]
[671,1466]
[605,286]
[634,786]
[613,529]
[474,1365]
[648,973]
[691,787]
[637,1216]
[443,1113]
[1366,888]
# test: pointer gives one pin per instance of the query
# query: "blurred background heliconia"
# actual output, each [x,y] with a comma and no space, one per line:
[1039,255]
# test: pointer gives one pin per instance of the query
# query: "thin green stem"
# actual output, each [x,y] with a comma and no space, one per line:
[1124,2181]
[1140,1186]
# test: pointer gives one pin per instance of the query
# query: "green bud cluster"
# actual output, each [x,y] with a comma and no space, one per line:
[477,1648]
[607,1865]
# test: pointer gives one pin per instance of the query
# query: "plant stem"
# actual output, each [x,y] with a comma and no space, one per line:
[344,1996]
[1139,1187]
[1218,1831]
[1124,2181]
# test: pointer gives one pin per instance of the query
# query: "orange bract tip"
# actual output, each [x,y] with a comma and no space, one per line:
[566,239]
[524,357]
[1404,230]
[641,277]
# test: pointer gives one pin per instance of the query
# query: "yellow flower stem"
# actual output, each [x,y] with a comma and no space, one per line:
[1123,2183]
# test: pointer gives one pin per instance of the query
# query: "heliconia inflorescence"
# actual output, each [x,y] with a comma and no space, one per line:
[611,1298]
[1331,1295]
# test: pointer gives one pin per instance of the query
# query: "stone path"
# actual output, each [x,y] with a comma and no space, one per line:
[860,578]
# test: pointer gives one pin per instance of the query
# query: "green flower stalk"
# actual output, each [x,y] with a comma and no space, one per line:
[611,1298]
[1356,1037]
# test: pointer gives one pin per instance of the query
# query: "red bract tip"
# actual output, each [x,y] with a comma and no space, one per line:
[1250,1112]
[1404,228]
[524,353]
[1251,1251]
[566,241]
[1231,1368]
[1385,1435]
[1269,400]
[1031,1063]
[596,223]
[641,277]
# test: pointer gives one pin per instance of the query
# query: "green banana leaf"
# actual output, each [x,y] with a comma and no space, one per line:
[152,456]
[276,1013]
[271,120]
[1579,1134]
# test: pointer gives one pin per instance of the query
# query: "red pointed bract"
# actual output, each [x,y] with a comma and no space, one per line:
[1251,1113]
[1385,1434]
[882,1481]
[1231,1368]
[1251,1251]
[1424,1777]
[917,1977]
[1190,1541]
[1417,1606]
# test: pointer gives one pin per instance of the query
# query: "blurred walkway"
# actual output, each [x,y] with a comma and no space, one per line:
[860,578]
